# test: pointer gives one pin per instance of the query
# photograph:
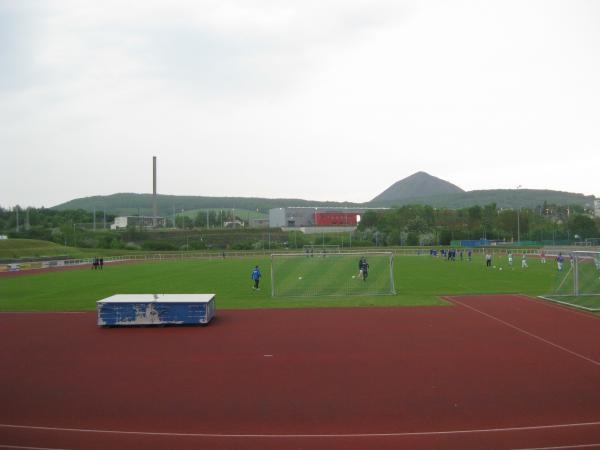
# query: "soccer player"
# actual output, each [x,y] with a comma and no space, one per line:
[510,259]
[559,262]
[255,275]
[543,257]
[488,259]
[524,261]
[365,269]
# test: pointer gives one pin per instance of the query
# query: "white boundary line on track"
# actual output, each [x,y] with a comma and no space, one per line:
[521,330]
[562,446]
[20,447]
[559,306]
[43,312]
[295,436]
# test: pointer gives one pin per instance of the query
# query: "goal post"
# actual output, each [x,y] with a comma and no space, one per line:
[578,283]
[331,274]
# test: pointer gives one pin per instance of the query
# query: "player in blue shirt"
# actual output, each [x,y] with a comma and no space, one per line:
[255,275]
[559,262]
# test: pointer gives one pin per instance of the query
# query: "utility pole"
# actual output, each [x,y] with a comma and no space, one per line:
[519,225]
[94,218]
[519,221]
[17,211]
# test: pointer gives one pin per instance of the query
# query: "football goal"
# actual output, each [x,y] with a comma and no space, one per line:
[578,283]
[331,274]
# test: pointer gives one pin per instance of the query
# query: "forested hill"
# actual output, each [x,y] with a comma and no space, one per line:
[503,198]
[419,184]
[131,204]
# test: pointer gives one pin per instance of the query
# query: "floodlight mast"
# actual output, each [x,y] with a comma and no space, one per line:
[155,204]
[272,279]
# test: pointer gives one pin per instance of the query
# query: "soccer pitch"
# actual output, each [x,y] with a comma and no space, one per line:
[331,275]
[419,280]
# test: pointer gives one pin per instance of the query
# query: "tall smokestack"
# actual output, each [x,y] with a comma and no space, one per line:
[154,199]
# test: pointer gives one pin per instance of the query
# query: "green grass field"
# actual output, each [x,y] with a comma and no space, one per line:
[330,275]
[419,281]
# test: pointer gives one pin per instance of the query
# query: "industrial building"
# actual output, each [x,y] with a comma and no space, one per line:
[317,219]
[138,222]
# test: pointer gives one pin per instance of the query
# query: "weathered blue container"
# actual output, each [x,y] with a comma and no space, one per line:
[156,309]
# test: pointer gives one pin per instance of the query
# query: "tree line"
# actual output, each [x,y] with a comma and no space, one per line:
[425,225]
[405,225]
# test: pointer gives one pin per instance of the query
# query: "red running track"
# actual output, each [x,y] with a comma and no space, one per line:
[491,372]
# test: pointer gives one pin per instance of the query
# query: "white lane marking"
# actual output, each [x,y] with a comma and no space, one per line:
[562,446]
[556,306]
[332,435]
[535,336]
[29,448]
[44,312]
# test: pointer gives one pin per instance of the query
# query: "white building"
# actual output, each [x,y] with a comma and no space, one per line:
[137,221]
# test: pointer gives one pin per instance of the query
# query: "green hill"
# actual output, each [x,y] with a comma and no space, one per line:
[417,185]
[419,188]
[503,198]
[132,204]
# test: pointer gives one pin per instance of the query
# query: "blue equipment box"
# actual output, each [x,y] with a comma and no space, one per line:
[156,309]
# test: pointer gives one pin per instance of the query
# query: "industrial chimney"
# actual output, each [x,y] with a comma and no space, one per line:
[154,199]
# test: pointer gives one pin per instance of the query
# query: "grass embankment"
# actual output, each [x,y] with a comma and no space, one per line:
[23,248]
[419,281]
[33,248]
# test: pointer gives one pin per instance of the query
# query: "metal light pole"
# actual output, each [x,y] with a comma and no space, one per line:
[519,220]
[519,225]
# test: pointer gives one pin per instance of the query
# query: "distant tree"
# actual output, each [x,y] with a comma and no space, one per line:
[583,226]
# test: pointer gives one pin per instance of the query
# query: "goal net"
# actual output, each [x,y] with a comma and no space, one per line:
[332,274]
[578,282]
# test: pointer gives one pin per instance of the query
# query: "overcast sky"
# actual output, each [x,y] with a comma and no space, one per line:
[322,100]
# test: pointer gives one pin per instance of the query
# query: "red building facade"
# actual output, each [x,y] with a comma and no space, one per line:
[335,219]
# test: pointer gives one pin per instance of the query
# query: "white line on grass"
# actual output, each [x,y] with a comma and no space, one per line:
[295,436]
[571,308]
[535,336]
